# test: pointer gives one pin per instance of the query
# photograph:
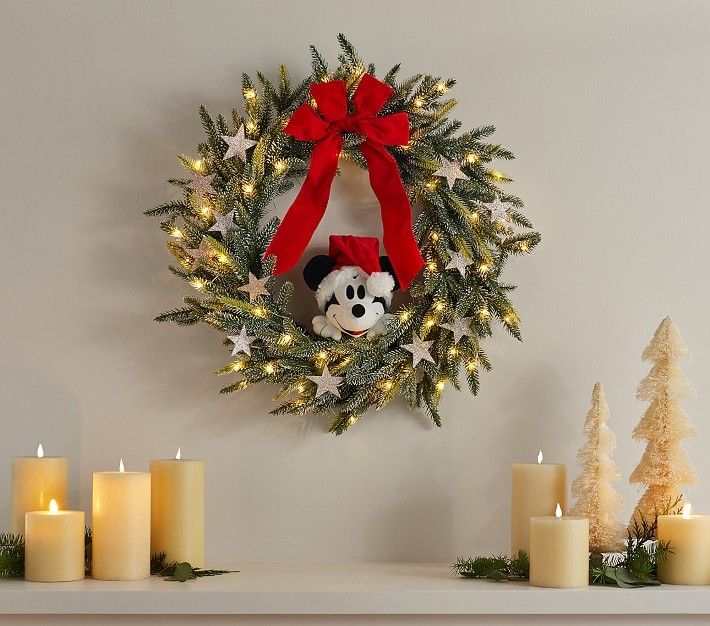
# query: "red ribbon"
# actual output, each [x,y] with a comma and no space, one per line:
[307,210]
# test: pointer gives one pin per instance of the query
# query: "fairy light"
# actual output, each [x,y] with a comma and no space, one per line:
[431,185]
[453,351]
[198,283]
[248,189]
[322,355]
[259,311]
[429,323]
[471,365]
[205,210]
[237,366]
[223,259]
[484,268]
[442,87]
[434,236]
[474,217]
[251,126]
[198,164]
[523,246]
[313,103]
[176,232]
[406,146]
[387,385]
[483,314]
[352,419]
[249,93]
[471,158]
[496,174]
[280,166]
[440,384]
[510,318]
[285,339]
[439,306]
[269,368]
[300,388]
[405,315]
[431,266]
[418,102]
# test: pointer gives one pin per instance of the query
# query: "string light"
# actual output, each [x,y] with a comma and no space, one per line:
[431,185]
[251,126]
[471,365]
[405,315]
[300,388]
[237,366]
[439,306]
[205,210]
[429,323]
[352,419]
[483,314]
[198,165]
[440,384]
[176,232]
[285,339]
[434,236]
[523,245]
[259,311]
[322,355]
[511,318]
[496,174]
[280,166]
[483,268]
[442,87]
[387,385]
[198,283]
[269,368]
[222,258]
[431,266]
[406,146]
[471,158]
[453,351]
[418,103]
[248,189]
[249,93]
[474,217]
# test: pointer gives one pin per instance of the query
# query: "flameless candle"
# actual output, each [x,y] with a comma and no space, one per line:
[54,545]
[120,547]
[34,481]
[178,509]
[535,490]
[688,562]
[559,551]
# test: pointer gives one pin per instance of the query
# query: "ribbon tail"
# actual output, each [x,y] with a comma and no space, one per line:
[398,235]
[303,216]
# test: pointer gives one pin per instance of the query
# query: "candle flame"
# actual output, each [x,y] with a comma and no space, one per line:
[120,466]
[539,457]
[178,455]
[558,511]
[53,506]
[686,510]
[40,451]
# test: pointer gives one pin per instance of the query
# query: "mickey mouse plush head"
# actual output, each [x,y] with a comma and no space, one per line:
[353,286]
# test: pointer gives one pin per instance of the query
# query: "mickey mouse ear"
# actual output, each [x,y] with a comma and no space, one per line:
[380,284]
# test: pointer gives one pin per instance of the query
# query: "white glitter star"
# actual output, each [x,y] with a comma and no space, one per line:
[499,210]
[241,342]
[326,383]
[458,261]
[419,349]
[450,171]
[201,185]
[223,223]
[461,327]
[237,145]
[255,287]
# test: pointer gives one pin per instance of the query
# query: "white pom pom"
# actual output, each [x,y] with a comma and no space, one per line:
[380,284]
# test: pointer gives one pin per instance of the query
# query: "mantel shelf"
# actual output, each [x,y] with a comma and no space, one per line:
[341,589]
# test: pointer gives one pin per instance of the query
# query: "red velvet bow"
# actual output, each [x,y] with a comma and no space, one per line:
[307,210]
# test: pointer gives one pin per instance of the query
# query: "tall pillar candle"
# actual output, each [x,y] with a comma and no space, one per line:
[120,547]
[559,551]
[688,562]
[34,482]
[535,490]
[178,509]
[54,545]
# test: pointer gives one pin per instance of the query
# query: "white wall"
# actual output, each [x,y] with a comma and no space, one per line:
[606,106]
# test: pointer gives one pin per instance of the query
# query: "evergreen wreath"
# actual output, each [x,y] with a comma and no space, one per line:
[219,234]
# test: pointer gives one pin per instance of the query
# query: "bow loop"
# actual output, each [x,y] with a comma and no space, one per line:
[371,95]
[331,99]
[306,125]
[390,130]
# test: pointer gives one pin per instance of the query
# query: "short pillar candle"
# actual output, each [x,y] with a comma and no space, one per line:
[54,545]
[559,551]
[120,546]
[688,536]
[34,482]
[535,490]
[178,509]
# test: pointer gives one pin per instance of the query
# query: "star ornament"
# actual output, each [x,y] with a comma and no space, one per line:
[203,251]
[461,327]
[237,145]
[419,349]
[498,210]
[223,223]
[458,262]
[255,287]
[450,171]
[241,342]
[326,383]
[201,185]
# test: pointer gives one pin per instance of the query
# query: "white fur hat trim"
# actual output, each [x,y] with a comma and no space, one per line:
[379,284]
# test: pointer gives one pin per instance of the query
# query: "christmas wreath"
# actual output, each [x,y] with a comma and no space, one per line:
[449,257]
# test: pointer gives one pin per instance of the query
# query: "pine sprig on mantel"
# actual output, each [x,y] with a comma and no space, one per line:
[181,572]
[12,555]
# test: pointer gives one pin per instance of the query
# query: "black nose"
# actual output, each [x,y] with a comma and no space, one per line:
[358,310]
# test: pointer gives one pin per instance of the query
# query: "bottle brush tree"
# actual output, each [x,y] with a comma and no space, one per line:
[665,466]
[595,495]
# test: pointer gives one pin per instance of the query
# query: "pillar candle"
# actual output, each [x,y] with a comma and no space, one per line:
[535,490]
[54,545]
[120,547]
[559,551]
[178,509]
[34,481]
[689,538]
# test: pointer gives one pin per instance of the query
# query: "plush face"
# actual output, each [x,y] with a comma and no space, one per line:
[351,308]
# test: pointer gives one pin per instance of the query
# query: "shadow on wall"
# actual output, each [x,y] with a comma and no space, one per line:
[46,413]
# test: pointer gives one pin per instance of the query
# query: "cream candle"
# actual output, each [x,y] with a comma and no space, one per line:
[535,489]
[688,563]
[54,545]
[34,482]
[559,551]
[178,509]
[121,525]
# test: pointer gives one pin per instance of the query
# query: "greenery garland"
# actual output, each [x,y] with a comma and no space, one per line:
[284,352]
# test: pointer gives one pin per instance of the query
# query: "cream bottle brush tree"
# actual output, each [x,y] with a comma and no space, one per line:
[665,466]
[595,496]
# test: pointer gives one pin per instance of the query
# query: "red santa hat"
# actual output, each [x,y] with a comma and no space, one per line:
[350,251]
